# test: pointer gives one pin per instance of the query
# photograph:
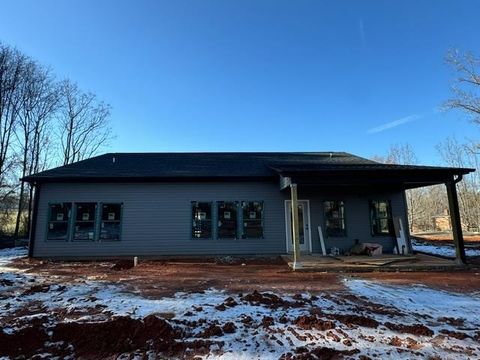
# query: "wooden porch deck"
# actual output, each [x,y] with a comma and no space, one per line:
[386,262]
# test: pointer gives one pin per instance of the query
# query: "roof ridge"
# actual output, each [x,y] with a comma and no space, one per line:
[229,152]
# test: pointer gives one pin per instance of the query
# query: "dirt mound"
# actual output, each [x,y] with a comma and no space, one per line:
[6,282]
[352,319]
[229,328]
[24,342]
[270,300]
[230,302]
[124,264]
[246,320]
[267,321]
[37,289]
[309,322]
[455,334]
[321,352]
[210,331]
[117,336]
[416,329]
[395,341]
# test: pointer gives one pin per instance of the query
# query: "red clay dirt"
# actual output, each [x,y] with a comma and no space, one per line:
[323,353]
[160,278]
[458,281]
[416,329]
[101,340]
[309,322]
[156,278]
[122,334]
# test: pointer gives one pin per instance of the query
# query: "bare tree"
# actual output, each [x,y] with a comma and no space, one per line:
[84,123]
[466,89]
[39,99]
[39,116]
[12,64]
[465,155]
[403,154]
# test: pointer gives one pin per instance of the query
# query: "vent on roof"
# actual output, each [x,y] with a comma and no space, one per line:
[113,160]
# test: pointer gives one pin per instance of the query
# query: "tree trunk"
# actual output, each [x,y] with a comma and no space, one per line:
[19,212]
[22,187]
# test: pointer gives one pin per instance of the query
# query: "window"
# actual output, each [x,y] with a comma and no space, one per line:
[227,220]
[202,220]
[381,217]
[85,221]
[111,221]
[334,212]
[252,212]
[59,221]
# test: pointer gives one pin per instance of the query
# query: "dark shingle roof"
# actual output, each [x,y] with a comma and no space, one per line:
[151,166]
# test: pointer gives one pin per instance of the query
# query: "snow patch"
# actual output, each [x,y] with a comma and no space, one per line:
[443,250]
[92,300]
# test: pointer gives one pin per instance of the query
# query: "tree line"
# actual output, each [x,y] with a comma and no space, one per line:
[428,203]
[44,122]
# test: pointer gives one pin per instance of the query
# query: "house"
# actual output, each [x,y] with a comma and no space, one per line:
[155,204]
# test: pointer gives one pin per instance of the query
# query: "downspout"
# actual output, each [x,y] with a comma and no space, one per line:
[33,227]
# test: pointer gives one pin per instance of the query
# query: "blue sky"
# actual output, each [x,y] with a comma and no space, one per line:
[352,76]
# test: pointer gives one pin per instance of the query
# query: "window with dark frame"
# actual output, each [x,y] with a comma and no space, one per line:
[59,221]
[111,221]
[85,215]
[334,213]
[227,219]
[252,217]
[201,220]
[381,217]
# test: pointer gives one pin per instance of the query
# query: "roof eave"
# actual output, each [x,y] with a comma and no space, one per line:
[120,179]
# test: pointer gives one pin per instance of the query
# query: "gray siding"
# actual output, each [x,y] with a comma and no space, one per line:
[357,218]
[157,218]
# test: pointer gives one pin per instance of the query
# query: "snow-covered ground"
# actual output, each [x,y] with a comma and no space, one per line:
[444,250]
[9,254]
[368,318]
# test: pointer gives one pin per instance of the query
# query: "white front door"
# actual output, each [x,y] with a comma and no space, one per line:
[303,225]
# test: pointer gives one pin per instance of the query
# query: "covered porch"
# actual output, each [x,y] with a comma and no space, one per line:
[365,178]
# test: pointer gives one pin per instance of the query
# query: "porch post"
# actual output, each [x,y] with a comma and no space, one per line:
[295,231]
[456,222]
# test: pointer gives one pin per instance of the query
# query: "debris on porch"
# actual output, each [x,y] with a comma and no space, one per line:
[386,262]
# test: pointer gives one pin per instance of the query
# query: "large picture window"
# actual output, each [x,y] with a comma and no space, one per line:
[85,221]
[252,215]
[381,217]
[227,220]
[59,220]
[202,220]
[334,212]
[111,221]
